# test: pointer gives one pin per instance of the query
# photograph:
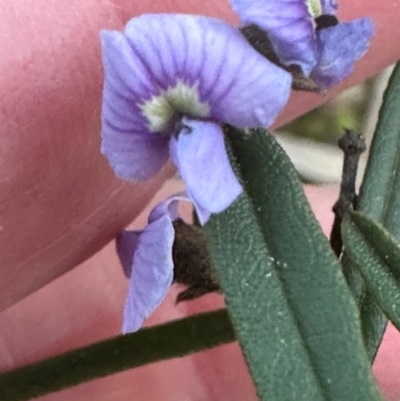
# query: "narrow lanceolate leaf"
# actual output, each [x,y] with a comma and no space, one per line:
[380,199]
[377,255]
[170,340]
[292,311]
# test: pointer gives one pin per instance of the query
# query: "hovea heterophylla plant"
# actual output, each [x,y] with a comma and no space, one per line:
[193,90]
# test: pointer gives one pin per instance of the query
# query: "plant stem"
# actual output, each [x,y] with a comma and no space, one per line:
[352,145]
[167,341]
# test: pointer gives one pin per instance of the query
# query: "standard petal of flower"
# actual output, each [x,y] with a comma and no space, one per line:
[169,65]
[152,272]
[289,26]
[133,152]
[341,46]
[126,243]
[218,74]
[201,158]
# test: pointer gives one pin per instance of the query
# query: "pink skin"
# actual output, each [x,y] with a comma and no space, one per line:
[60,202]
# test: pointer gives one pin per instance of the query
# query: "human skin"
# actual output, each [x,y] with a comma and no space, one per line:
[59,200]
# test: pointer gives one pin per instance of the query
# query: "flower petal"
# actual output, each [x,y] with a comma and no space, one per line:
[202,161]
[133,152]
[289,26]
[126,243]
[341,46]
[132,156]
[239,86]
[150,251]
[329,6]
[152,273]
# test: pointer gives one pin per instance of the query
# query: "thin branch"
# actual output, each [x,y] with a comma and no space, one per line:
[352,145]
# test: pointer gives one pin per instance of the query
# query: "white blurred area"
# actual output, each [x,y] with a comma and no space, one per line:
[321,164]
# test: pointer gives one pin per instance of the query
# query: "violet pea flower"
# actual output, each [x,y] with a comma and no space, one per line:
[307,33]
[170,81]
[146,257]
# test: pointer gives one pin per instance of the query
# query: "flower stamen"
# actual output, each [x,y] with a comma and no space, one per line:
[163,109]
[314,8]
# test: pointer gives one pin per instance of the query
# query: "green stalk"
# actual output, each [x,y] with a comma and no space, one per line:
[157,343]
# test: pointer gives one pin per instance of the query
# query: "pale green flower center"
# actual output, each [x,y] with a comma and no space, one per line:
[180,99]
[314,8]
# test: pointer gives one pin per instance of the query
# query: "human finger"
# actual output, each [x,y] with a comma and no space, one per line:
[59,200]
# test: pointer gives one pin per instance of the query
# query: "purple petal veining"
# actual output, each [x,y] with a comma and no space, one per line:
[151,264]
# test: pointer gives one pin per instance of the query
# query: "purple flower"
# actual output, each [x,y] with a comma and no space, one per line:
[306,33]
[170,81]
[146,257]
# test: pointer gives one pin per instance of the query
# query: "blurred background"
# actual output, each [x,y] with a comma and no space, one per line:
[311,140]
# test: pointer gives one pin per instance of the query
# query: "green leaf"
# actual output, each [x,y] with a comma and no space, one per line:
[171,340]
[293,313]
[377,255]
[380,199]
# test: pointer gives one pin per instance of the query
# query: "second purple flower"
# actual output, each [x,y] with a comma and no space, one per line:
[306,33]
